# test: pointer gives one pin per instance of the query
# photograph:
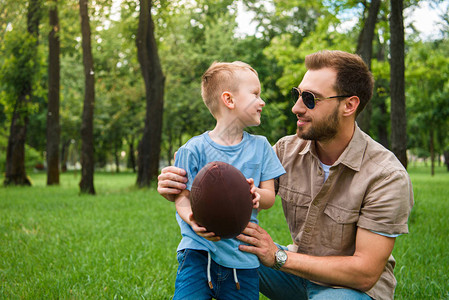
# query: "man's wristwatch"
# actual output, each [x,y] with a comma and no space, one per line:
[280,257]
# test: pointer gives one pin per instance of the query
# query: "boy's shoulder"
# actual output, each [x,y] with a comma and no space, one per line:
[257,138]
[194,141]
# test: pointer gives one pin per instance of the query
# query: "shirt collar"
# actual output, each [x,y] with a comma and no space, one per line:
[352,156]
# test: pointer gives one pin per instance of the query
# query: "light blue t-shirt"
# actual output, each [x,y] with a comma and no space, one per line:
[256,159]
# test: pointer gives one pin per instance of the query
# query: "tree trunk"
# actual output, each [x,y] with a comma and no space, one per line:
[87,137]
[131,156]
[397,83]
[15,152]
[53,127]
[382,126]
[149,146]
[15,172]
[365,50]
[432,152]
[65,154]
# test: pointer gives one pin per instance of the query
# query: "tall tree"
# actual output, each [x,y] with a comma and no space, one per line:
[15,153]
[365,50]
[150,144]
[87,136]
[397,83]
[53,127]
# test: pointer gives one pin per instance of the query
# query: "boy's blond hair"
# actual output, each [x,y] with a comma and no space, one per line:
[221,77]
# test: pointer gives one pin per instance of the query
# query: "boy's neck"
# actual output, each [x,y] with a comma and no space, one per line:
[226,134]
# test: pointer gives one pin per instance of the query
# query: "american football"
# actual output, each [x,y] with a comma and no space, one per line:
[221,199]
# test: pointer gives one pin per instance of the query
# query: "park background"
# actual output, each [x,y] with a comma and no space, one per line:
[96,96]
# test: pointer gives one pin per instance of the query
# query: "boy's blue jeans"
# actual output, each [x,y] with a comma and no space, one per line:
[191,280]
[280,285]
[191,283]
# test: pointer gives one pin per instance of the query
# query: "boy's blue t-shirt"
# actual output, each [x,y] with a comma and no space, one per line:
[256,159]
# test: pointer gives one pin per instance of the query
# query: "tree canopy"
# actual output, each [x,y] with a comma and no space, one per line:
[190,35]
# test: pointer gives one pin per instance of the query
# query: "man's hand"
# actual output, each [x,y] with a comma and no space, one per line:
[262,244]
[171,182]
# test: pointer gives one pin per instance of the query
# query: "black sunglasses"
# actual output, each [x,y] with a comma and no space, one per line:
[308,98]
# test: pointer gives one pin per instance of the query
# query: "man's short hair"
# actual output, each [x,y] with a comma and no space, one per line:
[220,77]
[353,75]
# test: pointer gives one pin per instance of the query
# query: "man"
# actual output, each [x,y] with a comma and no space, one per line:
[345,197]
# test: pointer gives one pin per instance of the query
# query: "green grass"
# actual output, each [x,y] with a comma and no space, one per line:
[422,268]
[120,244]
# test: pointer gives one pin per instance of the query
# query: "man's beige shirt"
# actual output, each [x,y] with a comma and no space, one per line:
[367,187]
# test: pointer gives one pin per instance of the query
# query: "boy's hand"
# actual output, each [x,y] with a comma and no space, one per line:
[256,196]
[202,231]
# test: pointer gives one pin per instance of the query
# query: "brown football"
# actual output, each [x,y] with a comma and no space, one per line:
[221,199]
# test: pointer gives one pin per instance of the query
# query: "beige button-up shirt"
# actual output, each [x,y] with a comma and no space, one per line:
[367,187]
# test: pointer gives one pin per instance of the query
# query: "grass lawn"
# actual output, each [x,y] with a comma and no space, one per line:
[120,244]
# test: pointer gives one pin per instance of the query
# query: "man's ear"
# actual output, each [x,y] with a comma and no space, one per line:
[228,99]
[350,106]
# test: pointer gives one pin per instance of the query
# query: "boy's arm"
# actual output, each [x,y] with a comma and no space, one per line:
[184,209]
[267,194]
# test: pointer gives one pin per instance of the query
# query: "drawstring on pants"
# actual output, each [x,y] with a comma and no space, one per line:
[209,279]
[237,284]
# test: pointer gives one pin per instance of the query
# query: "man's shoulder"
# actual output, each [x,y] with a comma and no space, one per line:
[382,157]
[291,141]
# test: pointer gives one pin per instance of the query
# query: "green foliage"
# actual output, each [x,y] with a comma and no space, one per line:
[18,67]
[190,36]
[208,36]
[291,58]
[428,94]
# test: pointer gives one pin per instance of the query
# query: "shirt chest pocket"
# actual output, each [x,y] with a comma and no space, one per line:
[252,170]
[339,229]
[295,205]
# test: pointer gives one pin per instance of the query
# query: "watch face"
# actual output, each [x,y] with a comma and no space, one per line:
[281,255]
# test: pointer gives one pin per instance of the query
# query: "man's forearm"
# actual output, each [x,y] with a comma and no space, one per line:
[345,271]
[359,271]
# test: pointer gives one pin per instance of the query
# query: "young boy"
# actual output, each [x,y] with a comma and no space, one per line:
[208,266]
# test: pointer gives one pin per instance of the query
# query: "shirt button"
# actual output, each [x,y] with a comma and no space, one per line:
[307,229]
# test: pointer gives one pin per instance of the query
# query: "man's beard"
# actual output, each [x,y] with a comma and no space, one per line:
[322,131]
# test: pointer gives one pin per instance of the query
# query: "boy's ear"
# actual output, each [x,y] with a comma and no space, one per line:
[351,105]
[228,100]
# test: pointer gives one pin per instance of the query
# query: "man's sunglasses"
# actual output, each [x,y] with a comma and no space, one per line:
[308,98]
